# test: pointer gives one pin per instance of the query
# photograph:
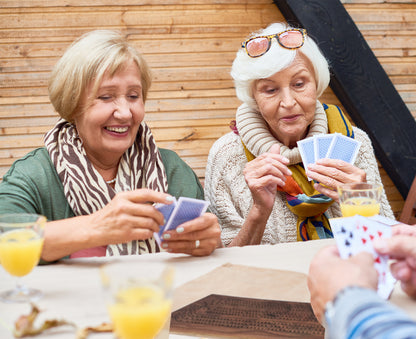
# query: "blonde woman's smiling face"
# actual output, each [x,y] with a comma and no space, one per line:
[287,100]
[111,118]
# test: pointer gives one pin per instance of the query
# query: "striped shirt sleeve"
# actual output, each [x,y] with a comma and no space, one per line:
[361,313]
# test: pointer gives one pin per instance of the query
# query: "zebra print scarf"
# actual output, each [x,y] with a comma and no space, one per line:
[86,190]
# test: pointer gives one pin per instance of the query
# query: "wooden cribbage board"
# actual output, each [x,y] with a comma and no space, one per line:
[222,316]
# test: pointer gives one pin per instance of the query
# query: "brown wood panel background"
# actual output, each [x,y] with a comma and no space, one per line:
[389,27]
[190,46]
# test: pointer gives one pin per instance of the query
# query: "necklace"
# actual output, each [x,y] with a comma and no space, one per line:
[112,181]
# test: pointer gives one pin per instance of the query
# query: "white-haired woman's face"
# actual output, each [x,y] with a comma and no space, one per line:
[287,101]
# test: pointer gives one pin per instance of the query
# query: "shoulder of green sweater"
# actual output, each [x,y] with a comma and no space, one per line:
[36,164]
[35,169]
[182,180]
[167,154]
[172,160]
[37,157]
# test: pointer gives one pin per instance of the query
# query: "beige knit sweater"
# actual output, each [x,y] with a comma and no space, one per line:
[229,196]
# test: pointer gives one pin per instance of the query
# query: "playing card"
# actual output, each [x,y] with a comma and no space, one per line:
[345,235]
[355,234]
[186,209]
[180,211]
[385,288]
[344,148]
[307,152]
[166,210]
[384,220]
[322,143]
[369,230]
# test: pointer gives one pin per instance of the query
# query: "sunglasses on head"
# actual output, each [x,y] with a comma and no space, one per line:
[259,45]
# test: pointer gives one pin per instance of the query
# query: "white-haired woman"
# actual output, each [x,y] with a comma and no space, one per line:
[100,170]
[279,75]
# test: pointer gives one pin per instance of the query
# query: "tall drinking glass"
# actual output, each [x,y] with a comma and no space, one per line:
[21,242]
[359,198]
[139,298]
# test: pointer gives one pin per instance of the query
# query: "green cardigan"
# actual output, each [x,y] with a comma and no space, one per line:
[32,185]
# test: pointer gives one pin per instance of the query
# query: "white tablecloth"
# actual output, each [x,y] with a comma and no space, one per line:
[72,288]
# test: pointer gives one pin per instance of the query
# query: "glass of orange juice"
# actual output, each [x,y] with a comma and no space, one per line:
[21,242]
[139,298]
[359,198]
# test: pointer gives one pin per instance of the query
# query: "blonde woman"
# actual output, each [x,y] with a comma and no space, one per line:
[100,170]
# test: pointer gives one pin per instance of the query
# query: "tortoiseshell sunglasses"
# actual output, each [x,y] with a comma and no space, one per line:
[291,39]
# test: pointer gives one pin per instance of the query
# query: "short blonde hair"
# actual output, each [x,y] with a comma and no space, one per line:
[245,70]
[85,62]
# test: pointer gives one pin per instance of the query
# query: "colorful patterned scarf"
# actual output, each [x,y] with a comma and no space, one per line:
[302,199]
[86,190]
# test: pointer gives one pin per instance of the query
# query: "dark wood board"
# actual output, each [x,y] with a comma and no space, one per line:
[221,316]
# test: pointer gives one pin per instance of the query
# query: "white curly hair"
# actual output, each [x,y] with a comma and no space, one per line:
[246,70]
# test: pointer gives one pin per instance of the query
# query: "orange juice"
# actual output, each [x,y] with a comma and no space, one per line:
[139,312]
[363,206]
[20,251]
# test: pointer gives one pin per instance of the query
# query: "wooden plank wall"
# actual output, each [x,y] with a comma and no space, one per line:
[189,44]
[389,27]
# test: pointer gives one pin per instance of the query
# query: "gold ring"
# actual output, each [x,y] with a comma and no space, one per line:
[197,243]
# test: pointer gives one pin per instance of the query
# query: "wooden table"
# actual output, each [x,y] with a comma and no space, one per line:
[72,288]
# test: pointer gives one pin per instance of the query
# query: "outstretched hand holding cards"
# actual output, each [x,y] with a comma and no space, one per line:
[332,146]
[356,234]
[178,212]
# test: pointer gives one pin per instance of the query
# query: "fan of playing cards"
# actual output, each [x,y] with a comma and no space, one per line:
[332,146]
[355,234]
[178,212]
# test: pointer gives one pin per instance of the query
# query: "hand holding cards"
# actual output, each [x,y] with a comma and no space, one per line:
[356,234]
[178,212]
[332,146]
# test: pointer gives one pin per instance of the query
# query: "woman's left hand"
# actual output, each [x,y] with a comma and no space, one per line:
[330,173]
[197,237]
